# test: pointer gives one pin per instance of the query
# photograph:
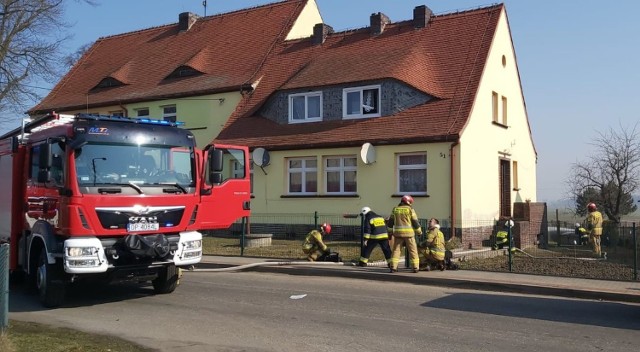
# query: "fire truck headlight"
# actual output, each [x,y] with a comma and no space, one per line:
[191,245]
[81,251]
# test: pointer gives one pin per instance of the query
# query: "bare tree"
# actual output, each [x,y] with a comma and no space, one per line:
[31,35]
[611,175]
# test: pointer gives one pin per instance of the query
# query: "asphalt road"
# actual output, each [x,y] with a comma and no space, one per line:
[252,311]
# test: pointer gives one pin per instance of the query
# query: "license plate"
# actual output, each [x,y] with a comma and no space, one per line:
[143,227]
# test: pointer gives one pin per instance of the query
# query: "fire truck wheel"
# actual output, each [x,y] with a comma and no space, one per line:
[49,282]
[167,280]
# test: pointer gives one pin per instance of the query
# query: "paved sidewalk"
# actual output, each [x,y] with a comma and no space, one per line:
[620,291]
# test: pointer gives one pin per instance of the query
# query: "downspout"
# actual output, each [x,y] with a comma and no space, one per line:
[453,188]
[124,110]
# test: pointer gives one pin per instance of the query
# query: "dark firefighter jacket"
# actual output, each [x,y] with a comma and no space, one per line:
[375,227]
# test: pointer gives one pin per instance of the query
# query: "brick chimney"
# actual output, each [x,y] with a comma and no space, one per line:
[378,22]
[320,32]
[186,20]
[421,16]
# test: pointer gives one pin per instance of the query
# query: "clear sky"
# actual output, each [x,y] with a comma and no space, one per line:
[578,59]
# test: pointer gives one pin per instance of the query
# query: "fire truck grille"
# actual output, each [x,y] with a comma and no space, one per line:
[123,218]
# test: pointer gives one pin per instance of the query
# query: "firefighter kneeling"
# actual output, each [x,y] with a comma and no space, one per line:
[314,247]
[432,248]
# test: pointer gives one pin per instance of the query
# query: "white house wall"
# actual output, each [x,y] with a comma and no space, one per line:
[303,26]
[376,183]
[203,115]
[483,143]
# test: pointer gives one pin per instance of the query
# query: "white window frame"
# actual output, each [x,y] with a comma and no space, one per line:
[411,167]
[303,170]
[361,115]
[306,107]
[341,169]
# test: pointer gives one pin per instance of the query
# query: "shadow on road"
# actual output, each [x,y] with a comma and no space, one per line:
[604,314]
[23,299]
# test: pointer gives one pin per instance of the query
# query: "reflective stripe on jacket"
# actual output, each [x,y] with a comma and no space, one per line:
[375,227]
[435,243]
[403,222]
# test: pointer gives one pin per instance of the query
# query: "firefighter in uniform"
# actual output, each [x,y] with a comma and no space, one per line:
[433,247]
[404,226]
[313,246]
[594,227]
[375,233]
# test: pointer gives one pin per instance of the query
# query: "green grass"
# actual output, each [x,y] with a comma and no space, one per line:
[32,337]
[285,249]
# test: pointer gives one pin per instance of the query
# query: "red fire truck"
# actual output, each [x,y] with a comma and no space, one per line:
[114,199]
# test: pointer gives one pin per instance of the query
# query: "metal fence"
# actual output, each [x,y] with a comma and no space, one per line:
[538,248]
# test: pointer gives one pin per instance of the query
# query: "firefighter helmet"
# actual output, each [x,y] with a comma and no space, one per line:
[407,199]
[591,207]
[326,228]
[365,210]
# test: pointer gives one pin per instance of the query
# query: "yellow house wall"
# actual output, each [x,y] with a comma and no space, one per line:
[377,183]
[482,141]
[303,26]
[205,115]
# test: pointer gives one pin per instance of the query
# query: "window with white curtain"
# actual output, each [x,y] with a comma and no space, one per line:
[340,174]
[361,102]
[412,173]
[302,175]
[305,107]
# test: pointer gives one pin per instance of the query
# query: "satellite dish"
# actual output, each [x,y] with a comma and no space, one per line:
[368,154]
[261,157]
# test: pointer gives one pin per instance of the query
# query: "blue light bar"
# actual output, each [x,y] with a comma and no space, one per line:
[142,120]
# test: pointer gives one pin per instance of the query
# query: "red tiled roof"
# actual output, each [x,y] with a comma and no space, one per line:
[229,48]
[445,60]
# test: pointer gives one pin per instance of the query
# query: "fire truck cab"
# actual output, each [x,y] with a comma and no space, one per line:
[113,198]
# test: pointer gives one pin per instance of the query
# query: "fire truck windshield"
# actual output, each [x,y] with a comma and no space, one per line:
[146,165]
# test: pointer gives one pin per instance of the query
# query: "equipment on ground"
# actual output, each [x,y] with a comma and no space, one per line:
[112,198]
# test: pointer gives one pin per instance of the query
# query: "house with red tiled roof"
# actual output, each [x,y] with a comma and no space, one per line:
[431,106]
[193,70]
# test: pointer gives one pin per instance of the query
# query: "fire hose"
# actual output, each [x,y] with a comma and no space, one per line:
[253,265]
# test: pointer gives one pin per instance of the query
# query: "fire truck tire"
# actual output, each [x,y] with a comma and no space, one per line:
[167,280]
[51,288]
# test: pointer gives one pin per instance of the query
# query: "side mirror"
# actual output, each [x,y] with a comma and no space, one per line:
[216,159]
[215,177]
[44,157]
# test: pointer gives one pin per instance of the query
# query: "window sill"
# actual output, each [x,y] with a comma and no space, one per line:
[495,123]
[320,196]
[413,195]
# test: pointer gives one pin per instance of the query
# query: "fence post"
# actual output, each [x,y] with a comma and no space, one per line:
[557,229]
[635,253]
[4,287]
[315,219]
[510,237]
[242,238]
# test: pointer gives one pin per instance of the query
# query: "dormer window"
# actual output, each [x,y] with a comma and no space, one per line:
[108,82]
[183,71]
[305,107]
[361,102]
